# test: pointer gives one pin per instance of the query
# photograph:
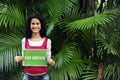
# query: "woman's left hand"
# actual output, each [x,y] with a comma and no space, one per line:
[50,61]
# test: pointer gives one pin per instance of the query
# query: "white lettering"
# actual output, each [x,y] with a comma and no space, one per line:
[27,57]
[35,57]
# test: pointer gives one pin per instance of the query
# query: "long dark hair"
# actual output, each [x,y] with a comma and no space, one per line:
[28,32]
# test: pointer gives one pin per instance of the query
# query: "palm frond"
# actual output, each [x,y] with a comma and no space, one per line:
[108,39]
[94,21]
[56,9]
[108,46]
[70,15]
[16,74]
[69,64]
[10,47]
[89,75]
[11,16]
[112,71]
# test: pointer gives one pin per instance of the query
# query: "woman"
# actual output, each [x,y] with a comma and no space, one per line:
[35,38]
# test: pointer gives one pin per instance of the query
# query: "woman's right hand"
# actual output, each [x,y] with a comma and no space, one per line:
[18,58]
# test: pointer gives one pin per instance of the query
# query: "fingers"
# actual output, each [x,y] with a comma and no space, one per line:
[18,58]
[50,61]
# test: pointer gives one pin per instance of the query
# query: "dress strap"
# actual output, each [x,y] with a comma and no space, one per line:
[45,42]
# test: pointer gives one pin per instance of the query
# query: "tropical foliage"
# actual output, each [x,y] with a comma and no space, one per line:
[84,33]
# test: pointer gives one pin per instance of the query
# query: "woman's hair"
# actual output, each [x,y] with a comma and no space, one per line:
[28,32]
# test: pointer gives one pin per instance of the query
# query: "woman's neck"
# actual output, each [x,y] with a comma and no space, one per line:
[36,37]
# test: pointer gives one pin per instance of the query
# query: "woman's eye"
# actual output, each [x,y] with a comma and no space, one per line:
[37,23]
[33,23]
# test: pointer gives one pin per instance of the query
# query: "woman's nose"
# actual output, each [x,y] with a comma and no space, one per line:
[35,25]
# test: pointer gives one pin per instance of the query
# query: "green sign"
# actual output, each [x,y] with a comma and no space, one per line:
[34,57]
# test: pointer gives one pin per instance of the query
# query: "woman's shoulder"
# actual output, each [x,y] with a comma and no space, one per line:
[23,39]
[49,40]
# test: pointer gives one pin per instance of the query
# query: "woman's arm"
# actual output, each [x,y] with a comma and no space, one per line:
[20,58]
[49,60]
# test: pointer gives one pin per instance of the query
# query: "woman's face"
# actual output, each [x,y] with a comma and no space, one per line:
[35,25]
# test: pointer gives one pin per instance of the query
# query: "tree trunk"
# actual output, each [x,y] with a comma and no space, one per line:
[100,71]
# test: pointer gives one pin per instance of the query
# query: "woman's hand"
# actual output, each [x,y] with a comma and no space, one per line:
[50,61]
[18,58]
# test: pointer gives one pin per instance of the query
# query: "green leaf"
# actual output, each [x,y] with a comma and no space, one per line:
[92,22]
[11,16]
[10,47]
